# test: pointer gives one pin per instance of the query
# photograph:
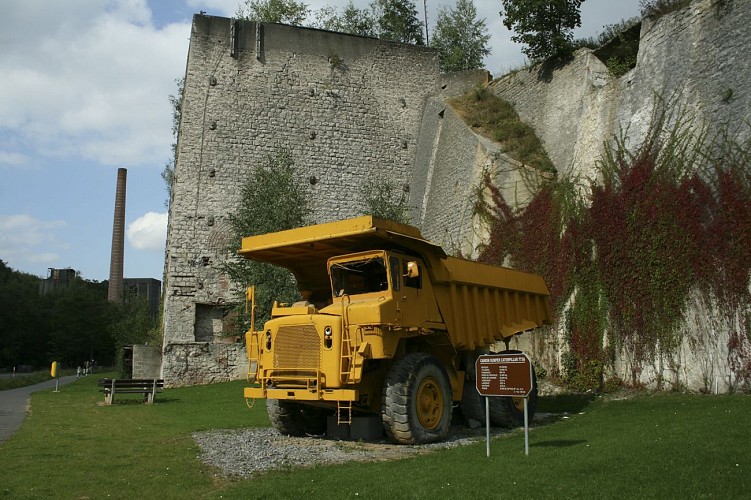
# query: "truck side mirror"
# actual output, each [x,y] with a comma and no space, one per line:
[413,270]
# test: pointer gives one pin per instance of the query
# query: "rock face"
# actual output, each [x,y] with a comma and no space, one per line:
[695,58]
[352,109]
[697,61]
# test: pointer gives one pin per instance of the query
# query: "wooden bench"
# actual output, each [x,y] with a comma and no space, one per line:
[146,386]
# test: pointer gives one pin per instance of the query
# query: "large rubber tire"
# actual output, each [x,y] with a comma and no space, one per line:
[416,406]
[472,404]
[294,419]
[509,412]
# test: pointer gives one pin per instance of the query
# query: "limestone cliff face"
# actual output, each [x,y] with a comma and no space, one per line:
[697,58]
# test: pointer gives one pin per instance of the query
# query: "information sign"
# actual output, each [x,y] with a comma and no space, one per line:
[504,375]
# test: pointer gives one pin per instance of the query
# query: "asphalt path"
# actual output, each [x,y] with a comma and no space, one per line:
[14,404]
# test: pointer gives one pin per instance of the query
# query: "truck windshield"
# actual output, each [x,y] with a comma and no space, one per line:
[363,276]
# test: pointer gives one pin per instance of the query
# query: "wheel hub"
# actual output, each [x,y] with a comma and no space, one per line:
[429,403]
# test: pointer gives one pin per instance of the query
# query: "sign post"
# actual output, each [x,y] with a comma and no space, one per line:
[504,375]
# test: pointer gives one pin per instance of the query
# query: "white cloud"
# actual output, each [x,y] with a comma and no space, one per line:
[12,159]
[95,82]
[148,232]
[27,240]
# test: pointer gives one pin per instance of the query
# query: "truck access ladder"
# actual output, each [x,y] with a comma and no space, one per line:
[347,363]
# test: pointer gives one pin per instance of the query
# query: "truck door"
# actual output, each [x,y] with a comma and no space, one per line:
[410,296]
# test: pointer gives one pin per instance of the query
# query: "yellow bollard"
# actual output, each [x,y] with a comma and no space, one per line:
[54,373]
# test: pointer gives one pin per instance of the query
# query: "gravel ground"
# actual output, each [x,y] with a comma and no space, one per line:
[249,452]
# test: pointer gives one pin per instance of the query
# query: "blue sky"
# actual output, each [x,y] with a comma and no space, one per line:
[85,90]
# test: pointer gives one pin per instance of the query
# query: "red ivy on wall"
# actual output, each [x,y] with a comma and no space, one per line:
[643,240]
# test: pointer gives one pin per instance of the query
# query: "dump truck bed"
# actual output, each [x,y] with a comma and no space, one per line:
[480,304]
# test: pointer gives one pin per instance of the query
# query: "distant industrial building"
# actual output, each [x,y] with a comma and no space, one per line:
[57,279]
[143,288]
[148,289]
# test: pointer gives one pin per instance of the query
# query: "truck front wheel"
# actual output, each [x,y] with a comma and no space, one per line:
[294,419]
[416,405]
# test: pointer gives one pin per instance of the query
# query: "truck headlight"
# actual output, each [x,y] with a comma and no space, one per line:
[327,334]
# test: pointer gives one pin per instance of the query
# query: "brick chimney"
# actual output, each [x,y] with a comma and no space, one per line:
[115,291]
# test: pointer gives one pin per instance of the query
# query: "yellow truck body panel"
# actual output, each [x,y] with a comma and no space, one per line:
[479,303]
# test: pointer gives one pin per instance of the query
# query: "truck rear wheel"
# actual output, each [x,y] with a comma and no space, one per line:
[472,404]
[417,400]
[294,419]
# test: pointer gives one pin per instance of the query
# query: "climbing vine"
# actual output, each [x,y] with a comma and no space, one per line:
[623,254]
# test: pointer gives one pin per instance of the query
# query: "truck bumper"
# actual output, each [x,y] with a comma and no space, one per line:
[302,394]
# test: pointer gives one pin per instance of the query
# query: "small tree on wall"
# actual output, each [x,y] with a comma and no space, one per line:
[273,11]
[544,26]
[168,174]
[461,39]
[351,20]
[271,200]
[397,21]
[384,199]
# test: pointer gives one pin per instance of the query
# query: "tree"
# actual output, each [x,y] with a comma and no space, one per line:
[544,26]
[382,198]
[132,324]
[461,40]
[397,21]
[351,20]
[273,11]
[77,321]
[271,200]
[22,330]
[176,101]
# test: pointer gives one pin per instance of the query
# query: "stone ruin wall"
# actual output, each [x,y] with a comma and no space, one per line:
[698,58]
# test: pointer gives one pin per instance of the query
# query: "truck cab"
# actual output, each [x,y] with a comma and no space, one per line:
[318,352]
[397,283]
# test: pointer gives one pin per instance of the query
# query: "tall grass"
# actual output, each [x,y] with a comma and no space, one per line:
[494,118]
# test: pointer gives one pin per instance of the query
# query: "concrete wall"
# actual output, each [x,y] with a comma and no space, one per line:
[192,363]
[147,361]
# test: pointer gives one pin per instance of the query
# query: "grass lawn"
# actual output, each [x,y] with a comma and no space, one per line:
[669,445]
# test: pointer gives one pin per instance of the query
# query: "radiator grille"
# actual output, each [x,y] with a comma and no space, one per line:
[297,347]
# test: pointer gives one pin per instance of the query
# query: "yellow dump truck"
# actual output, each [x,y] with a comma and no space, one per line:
[388,325]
